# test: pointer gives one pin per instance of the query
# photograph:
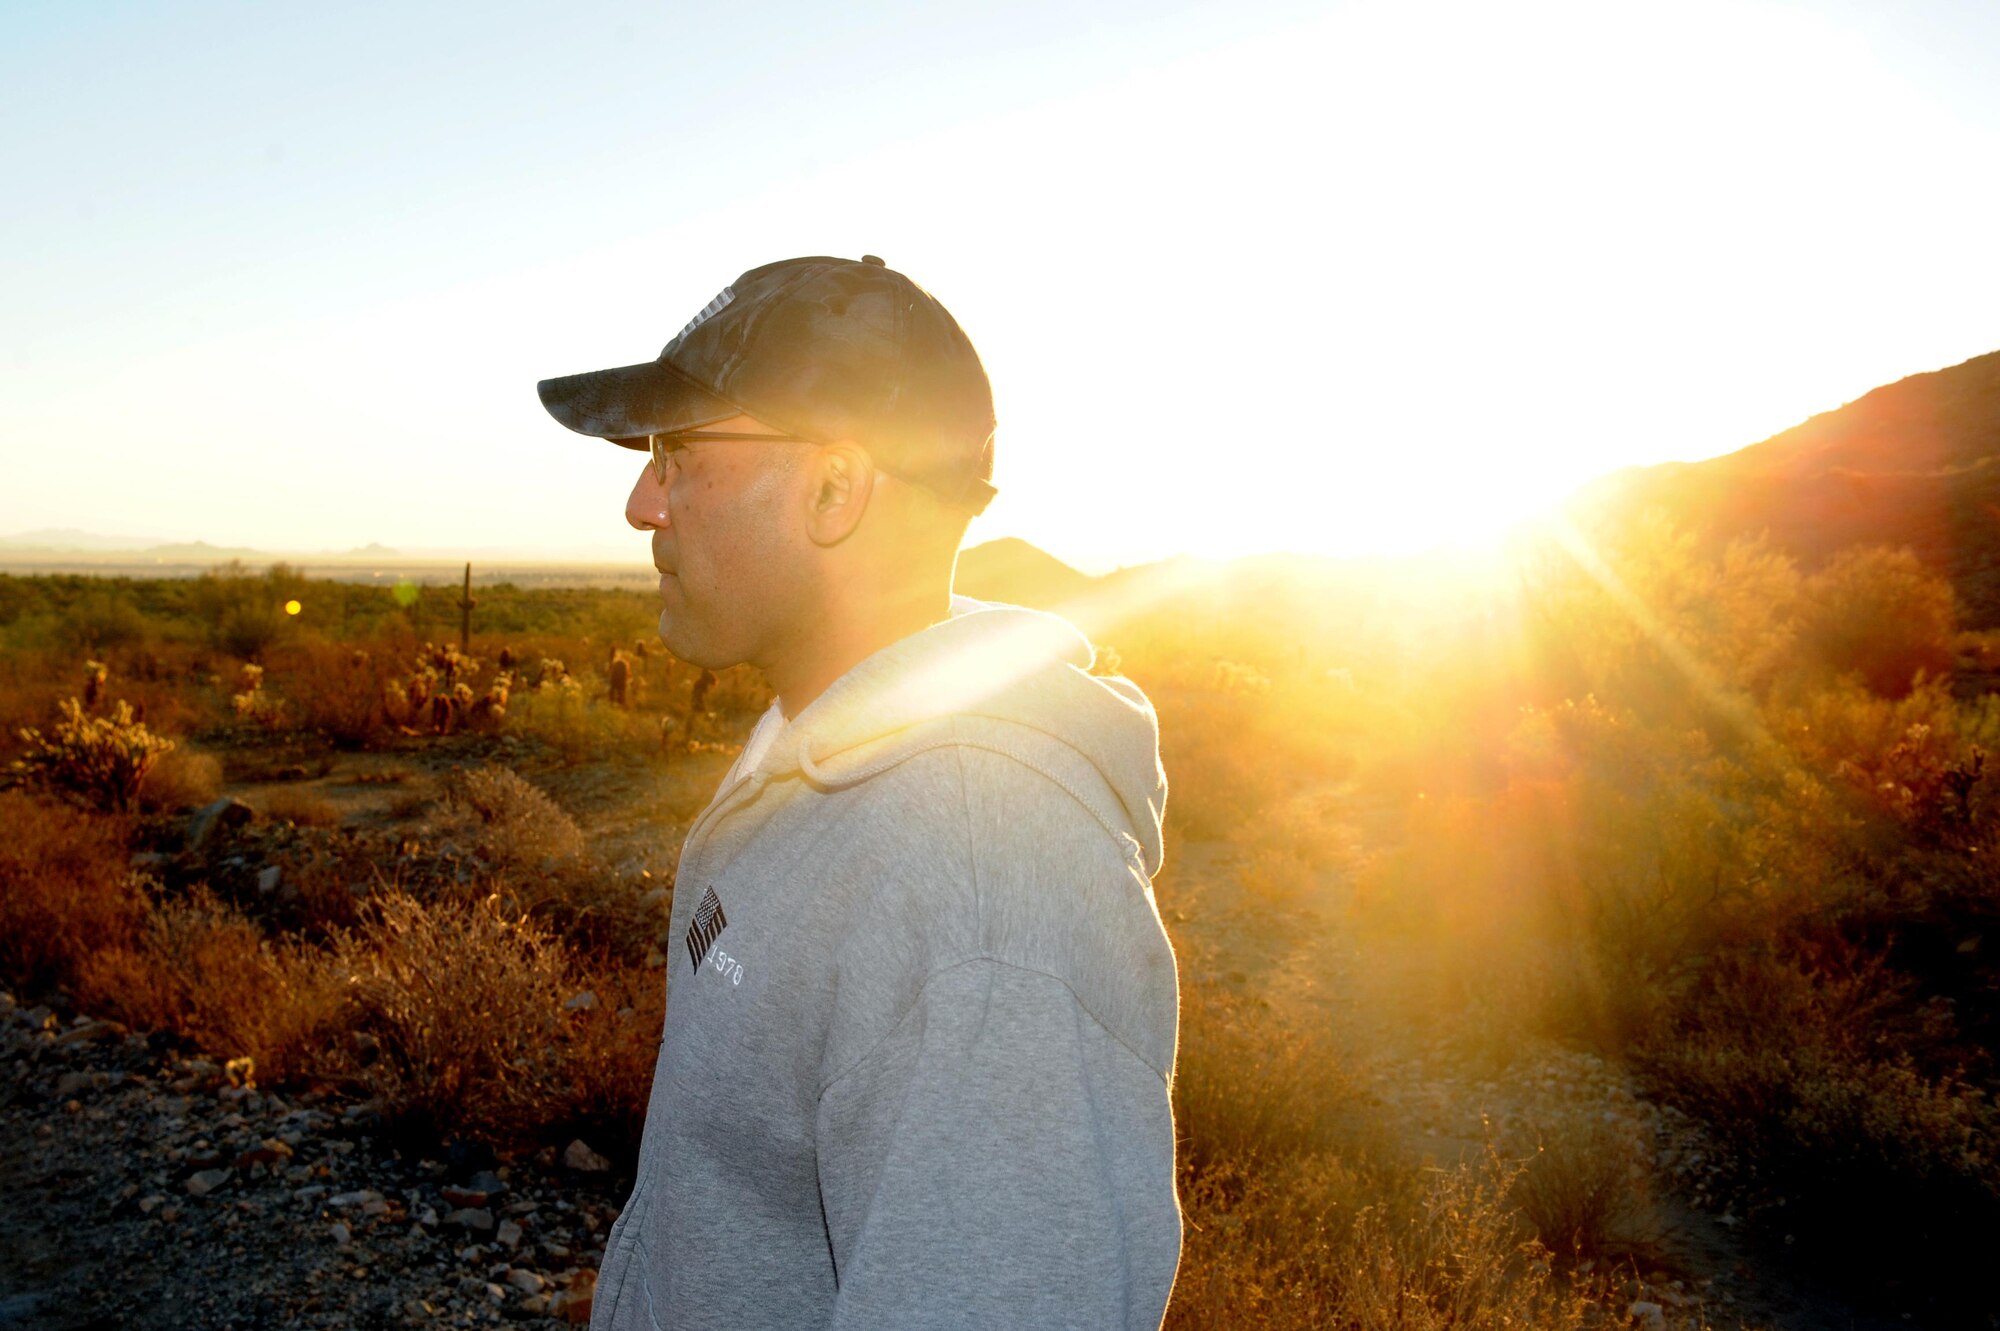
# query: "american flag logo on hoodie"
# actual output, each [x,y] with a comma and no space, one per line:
[708,922]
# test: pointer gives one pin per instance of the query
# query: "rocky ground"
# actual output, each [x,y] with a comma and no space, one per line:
[144,1189]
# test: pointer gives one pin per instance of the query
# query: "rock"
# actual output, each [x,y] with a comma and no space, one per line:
[535,1305]
[487,1182]
[573,1304]
[429,1218]
[71,1082]
[582,1002]
[471,1217]
[462,1197]
[525,1281]
[465,1158]
[584,1160]
[359,1197]
[212,822]
[148,1205]
[497,1293]
[508,1235]
[340,1231]
[90,1030]
[207,1181]
[269,876]
[1649,1316]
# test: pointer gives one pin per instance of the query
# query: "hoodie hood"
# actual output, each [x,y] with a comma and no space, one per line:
[998,677]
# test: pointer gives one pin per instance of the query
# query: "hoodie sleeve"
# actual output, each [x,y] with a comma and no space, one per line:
[999,1160]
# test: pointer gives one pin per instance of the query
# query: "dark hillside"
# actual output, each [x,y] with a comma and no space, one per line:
[1013,571]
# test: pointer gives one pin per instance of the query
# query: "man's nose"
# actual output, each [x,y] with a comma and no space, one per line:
[646,506]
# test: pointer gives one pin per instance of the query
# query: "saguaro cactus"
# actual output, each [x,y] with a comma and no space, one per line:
[466,601]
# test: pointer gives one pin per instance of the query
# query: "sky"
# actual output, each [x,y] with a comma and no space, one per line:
[1341,278]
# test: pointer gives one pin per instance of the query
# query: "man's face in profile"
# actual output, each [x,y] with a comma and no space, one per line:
[725,542]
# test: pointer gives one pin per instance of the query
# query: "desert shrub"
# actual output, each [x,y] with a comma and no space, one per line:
[1219,776]
[65,891]
[206,973]
[608,1063]
[566,712]
[466,1002]
[32,687]
[99,760]
[1318,1241]
[1277,875]
[101,620]
[333,689]
[1881,615]
[303,807]
[516,823]
[182,779]
[1250,1088]
[1583,1179]
[243,613]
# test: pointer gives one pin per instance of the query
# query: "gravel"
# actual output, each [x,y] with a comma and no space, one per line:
[144,1190]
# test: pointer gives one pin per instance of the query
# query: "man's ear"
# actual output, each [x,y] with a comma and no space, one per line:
[840,478]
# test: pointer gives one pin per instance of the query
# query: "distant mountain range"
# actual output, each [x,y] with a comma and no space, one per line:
[1915,463]
[65,541]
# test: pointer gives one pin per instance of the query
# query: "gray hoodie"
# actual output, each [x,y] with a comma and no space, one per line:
[921,1012]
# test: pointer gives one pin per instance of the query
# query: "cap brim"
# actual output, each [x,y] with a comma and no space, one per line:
[632,401]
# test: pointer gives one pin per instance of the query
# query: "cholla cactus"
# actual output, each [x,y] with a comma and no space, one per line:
[250,701]
[448,662]
[437,697]
[621,679]
[491,708]
[98,759]
[95,673]
[551,673]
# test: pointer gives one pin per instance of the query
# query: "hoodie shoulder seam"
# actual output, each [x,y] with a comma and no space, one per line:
[965,834]
[916,1003]
[1120,835]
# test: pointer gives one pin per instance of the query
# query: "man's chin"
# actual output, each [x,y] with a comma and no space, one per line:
[686,647]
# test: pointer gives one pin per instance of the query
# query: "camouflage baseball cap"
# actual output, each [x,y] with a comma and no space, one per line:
[824,349]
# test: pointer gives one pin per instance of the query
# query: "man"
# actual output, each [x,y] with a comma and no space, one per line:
[921,1017]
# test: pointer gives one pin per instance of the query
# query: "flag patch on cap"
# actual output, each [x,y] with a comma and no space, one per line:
[708,311]
[707,923]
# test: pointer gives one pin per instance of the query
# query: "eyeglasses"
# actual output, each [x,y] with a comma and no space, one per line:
[664,446]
